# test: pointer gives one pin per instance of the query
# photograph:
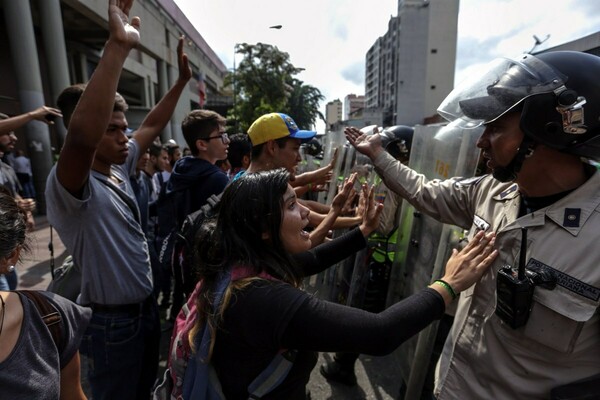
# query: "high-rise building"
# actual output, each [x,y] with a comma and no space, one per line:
[410,69]
[353,105]
[426,57]
[333,112]
[382,73]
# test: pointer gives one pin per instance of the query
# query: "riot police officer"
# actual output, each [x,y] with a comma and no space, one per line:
[542,120]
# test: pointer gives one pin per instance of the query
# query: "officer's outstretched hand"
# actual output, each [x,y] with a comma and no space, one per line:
[466,267]
[369,145]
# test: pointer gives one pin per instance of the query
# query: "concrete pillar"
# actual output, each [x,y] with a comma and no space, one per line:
[29,82]
[56,54]
[83,67]
[163,87]
[149,92]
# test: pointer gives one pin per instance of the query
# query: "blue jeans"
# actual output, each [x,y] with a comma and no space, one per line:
[122,351]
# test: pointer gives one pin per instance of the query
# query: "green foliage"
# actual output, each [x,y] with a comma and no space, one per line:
[264,82]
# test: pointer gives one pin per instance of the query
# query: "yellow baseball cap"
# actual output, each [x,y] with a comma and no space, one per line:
[275,126]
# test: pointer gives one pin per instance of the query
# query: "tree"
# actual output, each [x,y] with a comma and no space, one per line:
[303,103]
[264,82]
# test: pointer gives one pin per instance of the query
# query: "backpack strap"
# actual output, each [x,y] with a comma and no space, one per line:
[273,375]
[281,365]
[49,313]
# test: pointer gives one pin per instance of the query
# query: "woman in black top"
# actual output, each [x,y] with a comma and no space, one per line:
[259,228]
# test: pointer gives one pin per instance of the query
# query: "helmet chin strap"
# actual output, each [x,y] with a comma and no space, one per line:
[509,173]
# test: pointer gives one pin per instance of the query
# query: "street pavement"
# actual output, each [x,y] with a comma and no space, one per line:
[378,377]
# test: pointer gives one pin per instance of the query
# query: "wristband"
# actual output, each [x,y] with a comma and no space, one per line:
[448,288]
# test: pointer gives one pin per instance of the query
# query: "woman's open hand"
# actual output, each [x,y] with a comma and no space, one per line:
[466,267]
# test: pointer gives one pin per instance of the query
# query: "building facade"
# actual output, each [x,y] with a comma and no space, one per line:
[333,112]
[381,73]
[353,106]
[410,70]
[51,44]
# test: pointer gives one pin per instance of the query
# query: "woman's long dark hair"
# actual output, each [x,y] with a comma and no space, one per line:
[13,225]
[250,209]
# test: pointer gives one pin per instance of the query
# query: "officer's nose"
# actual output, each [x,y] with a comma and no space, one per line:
[483,140]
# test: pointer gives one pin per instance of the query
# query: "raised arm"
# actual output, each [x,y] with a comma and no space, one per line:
[317,177]
[159,116]
[43,114]
[93,112]
[323,326]
[320,232]
[369,145]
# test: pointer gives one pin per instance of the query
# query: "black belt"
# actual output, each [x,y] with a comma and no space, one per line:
[132,309]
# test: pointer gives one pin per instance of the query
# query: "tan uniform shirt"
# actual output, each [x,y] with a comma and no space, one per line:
[483,357]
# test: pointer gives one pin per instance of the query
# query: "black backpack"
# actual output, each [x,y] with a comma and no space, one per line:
[178,247]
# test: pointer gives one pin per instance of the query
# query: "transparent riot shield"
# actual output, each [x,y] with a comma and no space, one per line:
[333,140]
[334,284]
[424,244]
[322,283]
[372,268]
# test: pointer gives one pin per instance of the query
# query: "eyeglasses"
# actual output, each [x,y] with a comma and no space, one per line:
[224,137]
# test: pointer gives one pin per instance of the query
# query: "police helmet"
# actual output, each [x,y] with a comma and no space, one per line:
[558,94]
[312,147]
[397,140]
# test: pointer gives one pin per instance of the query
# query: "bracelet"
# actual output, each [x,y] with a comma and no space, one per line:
[448,288]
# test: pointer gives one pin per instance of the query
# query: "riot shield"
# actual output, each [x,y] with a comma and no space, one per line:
[370,277]
[333,140]
[324,283]
[425,244]
[334,284]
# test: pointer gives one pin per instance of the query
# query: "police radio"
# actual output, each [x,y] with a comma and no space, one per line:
[515,288]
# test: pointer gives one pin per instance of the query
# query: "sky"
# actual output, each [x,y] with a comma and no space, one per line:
[330,38]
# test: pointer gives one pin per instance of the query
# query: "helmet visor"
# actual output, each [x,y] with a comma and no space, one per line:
[504,84]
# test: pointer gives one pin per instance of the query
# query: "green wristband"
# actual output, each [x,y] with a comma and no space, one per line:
[448,288]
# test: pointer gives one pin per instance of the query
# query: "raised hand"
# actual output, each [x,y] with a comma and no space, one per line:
[122,31]
[466,267]
[45,114]
[185,72]
[370,210]
[369,145]
[344,194]
[333,161]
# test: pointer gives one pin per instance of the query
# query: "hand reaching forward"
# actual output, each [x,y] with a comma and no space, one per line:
[369,145]
[466,267]
[45,114]
[344,193]
[370,209]
[122,31]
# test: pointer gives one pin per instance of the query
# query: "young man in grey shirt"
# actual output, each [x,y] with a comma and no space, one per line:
[92,206]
